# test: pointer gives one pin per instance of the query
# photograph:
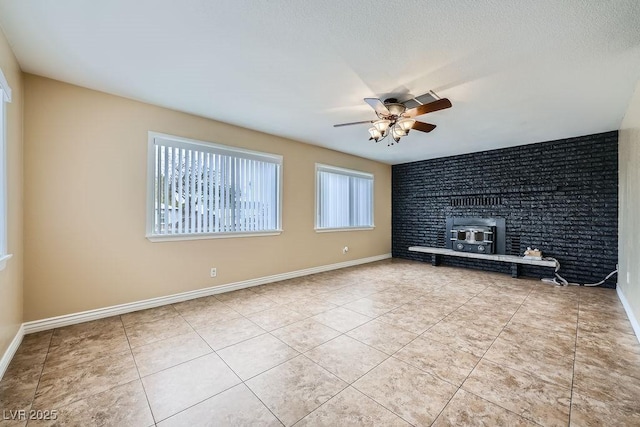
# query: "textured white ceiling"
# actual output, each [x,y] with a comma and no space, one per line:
[516,72]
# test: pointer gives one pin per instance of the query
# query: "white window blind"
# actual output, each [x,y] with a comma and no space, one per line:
[344,198]
[5,97]
[203,189]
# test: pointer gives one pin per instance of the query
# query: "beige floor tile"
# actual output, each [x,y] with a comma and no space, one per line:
[141,333]
[25,362]
[368,287]
[176,389]
[251,304]
[438,305]
[339,297]
[369,307]
[547,304]
[548,356]
[341,319]
[124,405]
[169,352]
[466,409]
[524,394]
[446,363]
[350,408]
[605,318]
[31,354]
[489,323]
[237,406]
[616,351]
[87,347]
[149,315]
[198,304]
[90,374]
[613,341]
[240,294]
[546,322]
[231,332]
[460,336]
[346,358]
[411,318]
[17,392]
[75,333]
[275,318]
[295,388]
[305,334]
[311,306]
[36,341]
[605,327]
[606,385]
[256,355]
[410,393]
[382,336]
[392,297]
[62,387]
[202,313]
[486,303]
[588,412]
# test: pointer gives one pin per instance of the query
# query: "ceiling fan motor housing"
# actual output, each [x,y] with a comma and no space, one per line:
[395,108]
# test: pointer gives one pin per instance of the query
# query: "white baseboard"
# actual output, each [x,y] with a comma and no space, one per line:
[11,351]
[632,318]
[85,316]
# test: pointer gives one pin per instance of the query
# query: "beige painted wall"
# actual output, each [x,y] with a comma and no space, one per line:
[85,186]
[11,277]
[629,210]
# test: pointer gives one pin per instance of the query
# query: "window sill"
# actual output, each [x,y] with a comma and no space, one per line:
[3,261]
[331,230]
[207,236]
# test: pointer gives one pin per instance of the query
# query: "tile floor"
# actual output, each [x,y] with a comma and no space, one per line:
[390,343]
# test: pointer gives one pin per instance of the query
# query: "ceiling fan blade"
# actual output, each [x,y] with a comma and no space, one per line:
[440,104]
[378,106]
[423,127]
[352,123]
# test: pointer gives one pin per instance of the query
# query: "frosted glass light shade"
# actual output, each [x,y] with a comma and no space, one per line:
[406,124]
[398,133]
[382,125]
[375,133]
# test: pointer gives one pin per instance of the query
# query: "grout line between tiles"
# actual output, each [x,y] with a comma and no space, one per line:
[135,363]
[575,349]
[483,354]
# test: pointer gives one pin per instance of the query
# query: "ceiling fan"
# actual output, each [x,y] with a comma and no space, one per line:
[395,119]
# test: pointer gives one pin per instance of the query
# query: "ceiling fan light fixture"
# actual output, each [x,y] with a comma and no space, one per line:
[406,124]
[397,133]
[381,126]
[396,109]
[375,134]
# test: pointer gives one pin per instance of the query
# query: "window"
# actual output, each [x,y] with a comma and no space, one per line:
[199,190]
[5,97]
[344,199]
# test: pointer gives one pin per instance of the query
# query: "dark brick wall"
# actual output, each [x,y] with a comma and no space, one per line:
[560,196]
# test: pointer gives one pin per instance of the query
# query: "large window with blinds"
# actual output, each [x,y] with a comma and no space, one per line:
[344,199]
[199,190]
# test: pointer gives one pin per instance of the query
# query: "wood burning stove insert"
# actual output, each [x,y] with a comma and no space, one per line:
[478,235]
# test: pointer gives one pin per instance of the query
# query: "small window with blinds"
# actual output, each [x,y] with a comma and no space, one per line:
[344,199]
[200,190]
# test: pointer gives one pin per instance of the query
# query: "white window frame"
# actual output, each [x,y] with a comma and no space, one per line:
[342,171]
[5,98]
[221,149]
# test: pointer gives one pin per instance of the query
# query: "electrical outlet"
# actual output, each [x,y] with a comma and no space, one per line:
[345,249]
[214,272]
